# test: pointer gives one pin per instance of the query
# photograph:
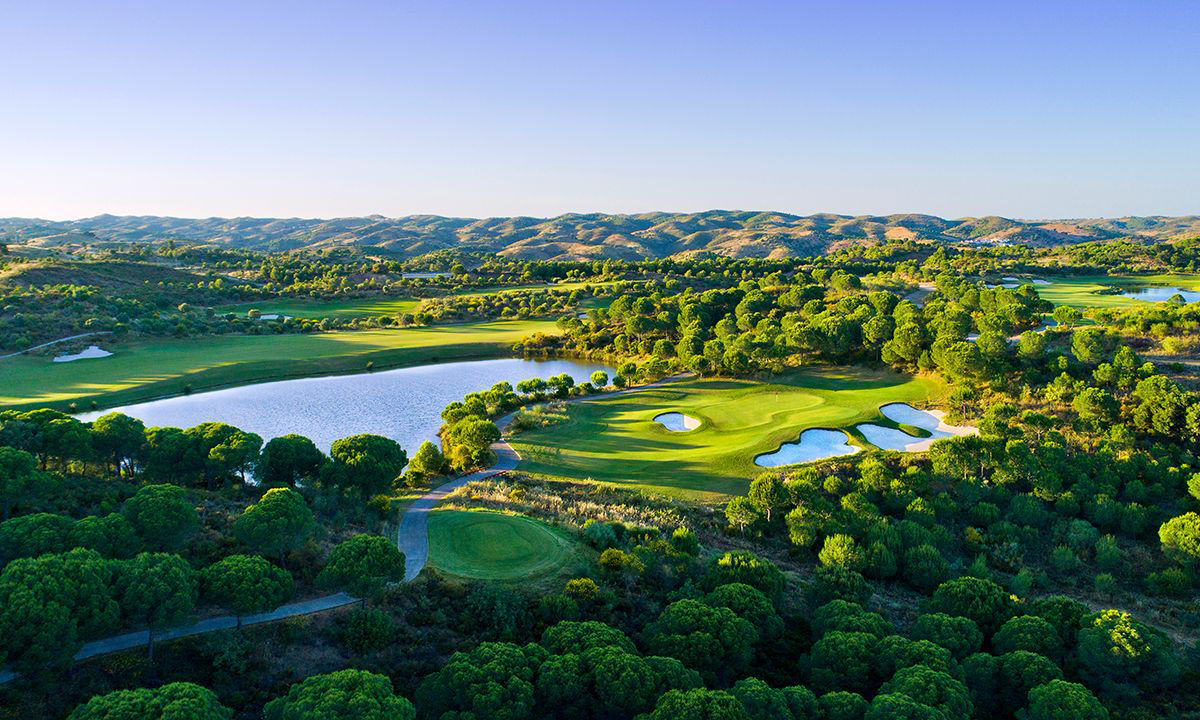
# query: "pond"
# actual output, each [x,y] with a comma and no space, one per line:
[404,404]
[677,422]
[1161,294]
[813,445]
[1013,283]
[931,421]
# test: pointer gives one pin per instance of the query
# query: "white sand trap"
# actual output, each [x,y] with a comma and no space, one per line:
[677,422]
[1039,281]
[813,445]
[930,420]
[92,351]
[274,316]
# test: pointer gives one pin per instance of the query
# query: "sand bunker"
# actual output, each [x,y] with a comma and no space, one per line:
[813,445]
[677,422]
[92,351]
[893,439]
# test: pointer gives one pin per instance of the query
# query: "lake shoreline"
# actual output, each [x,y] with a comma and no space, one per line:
[402,403]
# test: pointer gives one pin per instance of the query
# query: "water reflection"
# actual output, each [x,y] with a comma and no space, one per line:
[404,404]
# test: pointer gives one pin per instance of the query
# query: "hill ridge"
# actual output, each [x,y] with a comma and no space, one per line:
[592,236]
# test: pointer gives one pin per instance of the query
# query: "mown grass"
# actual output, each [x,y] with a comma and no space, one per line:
[145,370]
[315,309]
[1084,291]
[488,545]
[615,440]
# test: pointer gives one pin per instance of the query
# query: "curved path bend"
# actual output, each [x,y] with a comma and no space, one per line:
[412,535]
[55,342]
[412,538]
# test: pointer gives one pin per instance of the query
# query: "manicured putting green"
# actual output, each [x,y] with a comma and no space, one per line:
[616,439]
[494,546]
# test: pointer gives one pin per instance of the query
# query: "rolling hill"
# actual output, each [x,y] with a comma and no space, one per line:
[590,235]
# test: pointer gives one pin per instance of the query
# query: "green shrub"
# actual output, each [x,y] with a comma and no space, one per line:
[368,630]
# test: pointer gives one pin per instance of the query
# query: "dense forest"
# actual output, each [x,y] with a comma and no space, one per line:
[1044,568]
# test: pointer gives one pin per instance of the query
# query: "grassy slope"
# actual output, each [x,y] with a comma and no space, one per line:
[140,371]
[371,306]
[615,440]
[494,546]
[1080,292]
[316,309]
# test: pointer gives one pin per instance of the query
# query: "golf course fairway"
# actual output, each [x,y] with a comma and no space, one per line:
[1084,291]
[160,368]
[488,545]
[616,440]
[344,308]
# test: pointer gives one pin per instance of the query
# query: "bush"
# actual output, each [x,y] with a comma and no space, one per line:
[842,616]
[1020,671]
[1171,582]
[1061,700]
[1180,538]
[1064,561]
[983,601]
[925,568]
[843,661]
[837,583]
[1028,510]
[581,589]
[367,631]
[932,688]
[1109,557]
[741,566]
[843,706]
[1028,632]
[895,652]
[599,535]
[959,635]
[841,551]
[1115,649]
[878,561]
[1082,536]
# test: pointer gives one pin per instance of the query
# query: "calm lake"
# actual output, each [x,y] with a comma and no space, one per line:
[404,404]
[1161,294]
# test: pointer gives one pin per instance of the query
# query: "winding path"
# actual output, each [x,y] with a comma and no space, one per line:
[412,534]
[412,537]
[55,342]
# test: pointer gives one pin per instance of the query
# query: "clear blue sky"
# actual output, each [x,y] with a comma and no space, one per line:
[318,109]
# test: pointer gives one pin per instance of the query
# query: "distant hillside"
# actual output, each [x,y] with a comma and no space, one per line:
[111,274]
[590,236]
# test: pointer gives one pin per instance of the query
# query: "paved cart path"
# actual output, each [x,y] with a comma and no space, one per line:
[412,538]
[55,342]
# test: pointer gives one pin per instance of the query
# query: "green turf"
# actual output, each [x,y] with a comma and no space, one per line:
[317,309]
[341,308]
[493,546]
[615,440]
[145,370]
[1082,291]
